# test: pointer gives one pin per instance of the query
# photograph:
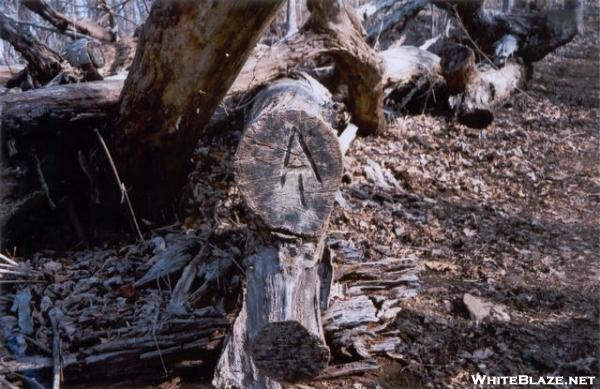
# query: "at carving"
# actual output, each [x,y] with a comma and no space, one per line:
[288,167]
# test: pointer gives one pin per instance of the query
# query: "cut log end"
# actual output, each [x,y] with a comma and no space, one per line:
[477,118]
[287,352]
[289,166]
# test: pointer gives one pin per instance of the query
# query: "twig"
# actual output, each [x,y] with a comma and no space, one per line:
[56,360]
[124,195]
[43,183]
[7,259]
[154,324]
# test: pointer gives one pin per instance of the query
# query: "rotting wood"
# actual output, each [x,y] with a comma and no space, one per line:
[383,16]
[536,34]
[488,90]
[277,337]
[476,91]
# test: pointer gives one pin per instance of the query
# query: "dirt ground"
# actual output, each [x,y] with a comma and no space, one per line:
[508,214]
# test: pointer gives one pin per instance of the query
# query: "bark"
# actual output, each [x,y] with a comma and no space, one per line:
[67,24]
[59,109]
[170,95]
[278,337]
[44,63]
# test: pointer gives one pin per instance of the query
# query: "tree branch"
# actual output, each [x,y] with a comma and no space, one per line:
[66,24]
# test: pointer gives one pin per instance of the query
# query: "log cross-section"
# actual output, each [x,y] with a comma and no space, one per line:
[288,163]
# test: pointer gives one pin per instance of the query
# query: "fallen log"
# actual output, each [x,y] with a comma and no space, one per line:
[410,72]
[57,110]
[383,16]
[488,90]
[277,337]
[477,90]
[535,34]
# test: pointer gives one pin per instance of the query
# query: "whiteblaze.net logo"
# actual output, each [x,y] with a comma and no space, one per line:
[481,380]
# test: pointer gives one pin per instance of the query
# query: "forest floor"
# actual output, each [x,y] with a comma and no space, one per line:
[503,222]
[508,215]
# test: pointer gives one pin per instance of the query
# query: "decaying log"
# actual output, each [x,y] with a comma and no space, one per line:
[169,96]
[535,34]
[296,196]
[488,90]
[68,24]
[288,168]
[381,16]
[58,109]
[476,91]
[44,63]
[409,70]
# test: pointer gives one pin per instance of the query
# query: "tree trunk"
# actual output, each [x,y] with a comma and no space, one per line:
[288,168]
[171,94]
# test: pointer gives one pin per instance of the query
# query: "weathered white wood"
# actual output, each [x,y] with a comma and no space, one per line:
[406,64]
[488,90]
